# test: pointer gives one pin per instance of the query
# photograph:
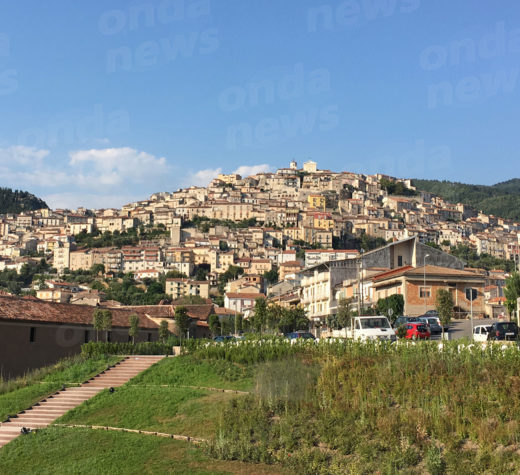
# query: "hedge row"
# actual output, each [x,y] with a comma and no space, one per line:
[99,348]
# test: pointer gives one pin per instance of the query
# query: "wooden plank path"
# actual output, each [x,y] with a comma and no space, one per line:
[49,409]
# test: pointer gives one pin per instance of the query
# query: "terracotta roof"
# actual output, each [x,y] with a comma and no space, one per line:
[199,312]
[224,311]
[291,264]
[420,271]
[34,310]
[236,295]
[391,273]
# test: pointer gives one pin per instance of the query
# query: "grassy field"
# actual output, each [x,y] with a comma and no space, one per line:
[165,398]
[187,371]
[330,408]
[73,451]
[366,408]
[19,394]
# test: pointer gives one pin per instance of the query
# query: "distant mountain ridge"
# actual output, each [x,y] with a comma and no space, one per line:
[17,201]
[502,199]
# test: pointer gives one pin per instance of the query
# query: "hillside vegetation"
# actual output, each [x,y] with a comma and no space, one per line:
[17,201]
[502,199]
[327,408]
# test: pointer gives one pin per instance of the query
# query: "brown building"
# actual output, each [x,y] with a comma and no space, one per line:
[419,287]
[34,333]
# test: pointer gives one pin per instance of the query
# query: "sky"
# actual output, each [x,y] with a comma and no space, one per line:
[106,102]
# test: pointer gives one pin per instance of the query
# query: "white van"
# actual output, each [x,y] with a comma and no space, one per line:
[481,332]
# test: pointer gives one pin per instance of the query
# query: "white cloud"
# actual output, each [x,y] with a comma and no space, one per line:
[116,166]
[248,170]
[21,155]
[96,178]
[202,177]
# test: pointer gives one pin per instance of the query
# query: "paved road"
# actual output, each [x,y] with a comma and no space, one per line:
[462,328]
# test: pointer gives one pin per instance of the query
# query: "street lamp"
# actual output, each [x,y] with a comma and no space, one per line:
[424,280]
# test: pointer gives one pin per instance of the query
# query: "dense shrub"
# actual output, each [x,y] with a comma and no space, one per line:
[352,407]
[98,348]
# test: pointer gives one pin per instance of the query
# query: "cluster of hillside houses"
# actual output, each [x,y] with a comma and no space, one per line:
[296,217]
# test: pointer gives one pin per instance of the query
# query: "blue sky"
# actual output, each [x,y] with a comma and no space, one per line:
[107,102]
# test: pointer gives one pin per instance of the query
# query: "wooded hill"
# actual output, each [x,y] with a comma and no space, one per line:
[17,201]
[502,199]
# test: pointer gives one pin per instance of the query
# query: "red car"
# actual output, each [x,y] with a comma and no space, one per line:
[417,330]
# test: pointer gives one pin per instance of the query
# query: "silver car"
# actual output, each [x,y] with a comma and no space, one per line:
[433,323]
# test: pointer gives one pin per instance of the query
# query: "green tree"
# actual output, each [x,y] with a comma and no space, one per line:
[214,324]
[133,330]
[395,303]
[97,321]
[293,319]
[401,331]
[271,276]
[182,319]
[201,274]
[164,331]
[344,315]
[444,306]
[239,323]
[175,274]
[512,292]
[107,322]
[97,269]
[260,315]
[226,325]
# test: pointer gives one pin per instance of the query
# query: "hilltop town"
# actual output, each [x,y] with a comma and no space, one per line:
[299,236]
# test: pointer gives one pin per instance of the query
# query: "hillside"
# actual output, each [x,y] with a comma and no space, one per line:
[272,406]
[17,201]
[502,199]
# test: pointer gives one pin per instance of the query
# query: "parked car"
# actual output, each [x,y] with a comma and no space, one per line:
[300,334]
[434,314]
[223,338]
[433,323]
[417,331]
[403,319]
[482,332]
[504,331]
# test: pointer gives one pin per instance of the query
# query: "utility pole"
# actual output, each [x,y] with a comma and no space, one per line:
[424,282]
[359,293]
[362,280]
[471,294]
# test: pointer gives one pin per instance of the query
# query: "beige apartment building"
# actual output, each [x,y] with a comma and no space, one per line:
[178,288]
[81,260]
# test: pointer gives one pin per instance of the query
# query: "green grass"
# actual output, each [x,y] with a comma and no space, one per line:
[331,408]
[22,393]
[364,409]
[181,411]
[189,371]
[74,451]
[175,408]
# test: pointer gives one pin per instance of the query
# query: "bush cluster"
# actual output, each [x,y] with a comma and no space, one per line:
[99,348]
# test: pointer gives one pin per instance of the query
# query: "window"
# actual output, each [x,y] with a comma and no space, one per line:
[399,261]
[32,335]
[425,292]
[149,337]
[86,336]
[109,336]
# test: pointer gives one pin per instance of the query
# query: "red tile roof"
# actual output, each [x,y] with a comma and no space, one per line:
[236,295]
[34,310]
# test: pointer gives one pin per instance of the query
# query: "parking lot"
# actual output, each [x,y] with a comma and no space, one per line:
[462,328]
